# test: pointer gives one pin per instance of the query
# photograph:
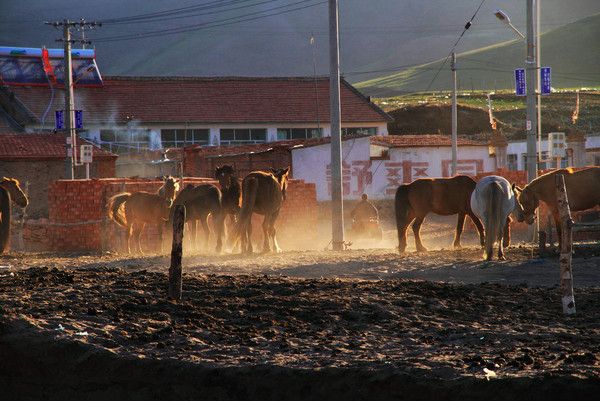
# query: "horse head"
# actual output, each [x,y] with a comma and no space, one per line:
[16,193]
[170,187]
[225,174]
[527,203]
[282,176]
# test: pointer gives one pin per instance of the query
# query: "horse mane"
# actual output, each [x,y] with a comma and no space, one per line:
[4,219]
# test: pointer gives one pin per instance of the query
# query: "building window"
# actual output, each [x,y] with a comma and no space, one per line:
[177,138]
[359,131]
[297,133]
[243,135]
[512,162]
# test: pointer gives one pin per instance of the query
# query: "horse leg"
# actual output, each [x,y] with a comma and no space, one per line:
[273,232]
[402,226]
[416,226]
[506,238]
[248,248]
[459,229]
[129,234]
[204,222]
[160,236]
[220,227]
[137,234]
[266,235]
[502,238]
[479,227]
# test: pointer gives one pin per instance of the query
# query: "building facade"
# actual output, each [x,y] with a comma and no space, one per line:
[133,114]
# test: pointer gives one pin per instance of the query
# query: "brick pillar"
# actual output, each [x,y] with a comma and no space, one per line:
[500,145]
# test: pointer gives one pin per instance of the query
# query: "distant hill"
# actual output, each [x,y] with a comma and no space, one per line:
[374,35]
[572,51]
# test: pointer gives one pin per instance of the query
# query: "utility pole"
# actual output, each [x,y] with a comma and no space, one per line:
[69,95]
[454,118]
[531,118]
[337,206]
[538,78]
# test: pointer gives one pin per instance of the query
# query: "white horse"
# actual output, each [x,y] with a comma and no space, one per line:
[493,200]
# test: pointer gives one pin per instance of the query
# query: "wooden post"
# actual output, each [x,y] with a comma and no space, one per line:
[549,232]
[566,247]
[175,281]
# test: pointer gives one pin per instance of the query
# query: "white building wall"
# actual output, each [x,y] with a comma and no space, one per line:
[379,178]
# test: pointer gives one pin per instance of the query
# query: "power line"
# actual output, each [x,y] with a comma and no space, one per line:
[213,24]
[192,15]
[467,26]
[173,11]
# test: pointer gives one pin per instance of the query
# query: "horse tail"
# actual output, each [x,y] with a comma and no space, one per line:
[493,220]
[402,206]
[4,219]
[249,190]
[115,211]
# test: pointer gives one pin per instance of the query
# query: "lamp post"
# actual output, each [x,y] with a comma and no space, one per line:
[532,67]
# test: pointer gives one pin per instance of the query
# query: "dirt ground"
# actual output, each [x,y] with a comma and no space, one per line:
[359,324]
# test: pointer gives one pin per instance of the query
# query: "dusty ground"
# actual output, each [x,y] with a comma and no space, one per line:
[378,325]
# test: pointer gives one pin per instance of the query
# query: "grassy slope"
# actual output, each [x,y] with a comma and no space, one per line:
[430,113]
[573,52]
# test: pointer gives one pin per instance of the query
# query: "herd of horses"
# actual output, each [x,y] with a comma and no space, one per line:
[261,192]
[489,203]
[491,200]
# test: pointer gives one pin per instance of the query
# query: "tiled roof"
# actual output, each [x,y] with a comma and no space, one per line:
[409,141]
[206,100]
[40,147]
[212,151]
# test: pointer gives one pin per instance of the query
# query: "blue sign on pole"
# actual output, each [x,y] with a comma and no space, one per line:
[546,75]
[78,119]
[520,84]
[59,117]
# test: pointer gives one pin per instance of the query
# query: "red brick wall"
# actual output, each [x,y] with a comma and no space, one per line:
[77,215]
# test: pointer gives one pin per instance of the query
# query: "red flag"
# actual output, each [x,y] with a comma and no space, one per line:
[47,66]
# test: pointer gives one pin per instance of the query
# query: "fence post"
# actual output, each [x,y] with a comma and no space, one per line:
[566,247]
[175,281]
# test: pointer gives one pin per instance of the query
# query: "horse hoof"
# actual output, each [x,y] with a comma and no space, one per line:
[457,246]
[422,249]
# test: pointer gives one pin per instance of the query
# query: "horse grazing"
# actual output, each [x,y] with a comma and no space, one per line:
[493,200]
[169,188]
[583,192]
[263,193]
[200,201]
[443,196]
[134,210]
[10,190]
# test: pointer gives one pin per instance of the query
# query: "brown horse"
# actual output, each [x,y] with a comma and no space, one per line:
[231,190]
[263,193]
[169,188]
[583,192]
[200,201]
[9,190]
[134,210]
[444,196]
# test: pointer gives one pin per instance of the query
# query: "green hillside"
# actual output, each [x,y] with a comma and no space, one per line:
[573,52]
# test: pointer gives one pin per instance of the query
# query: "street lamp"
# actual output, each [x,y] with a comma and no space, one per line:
[502,16]
[533,68]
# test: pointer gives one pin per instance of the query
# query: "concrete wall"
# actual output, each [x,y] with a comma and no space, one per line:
[379,177]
